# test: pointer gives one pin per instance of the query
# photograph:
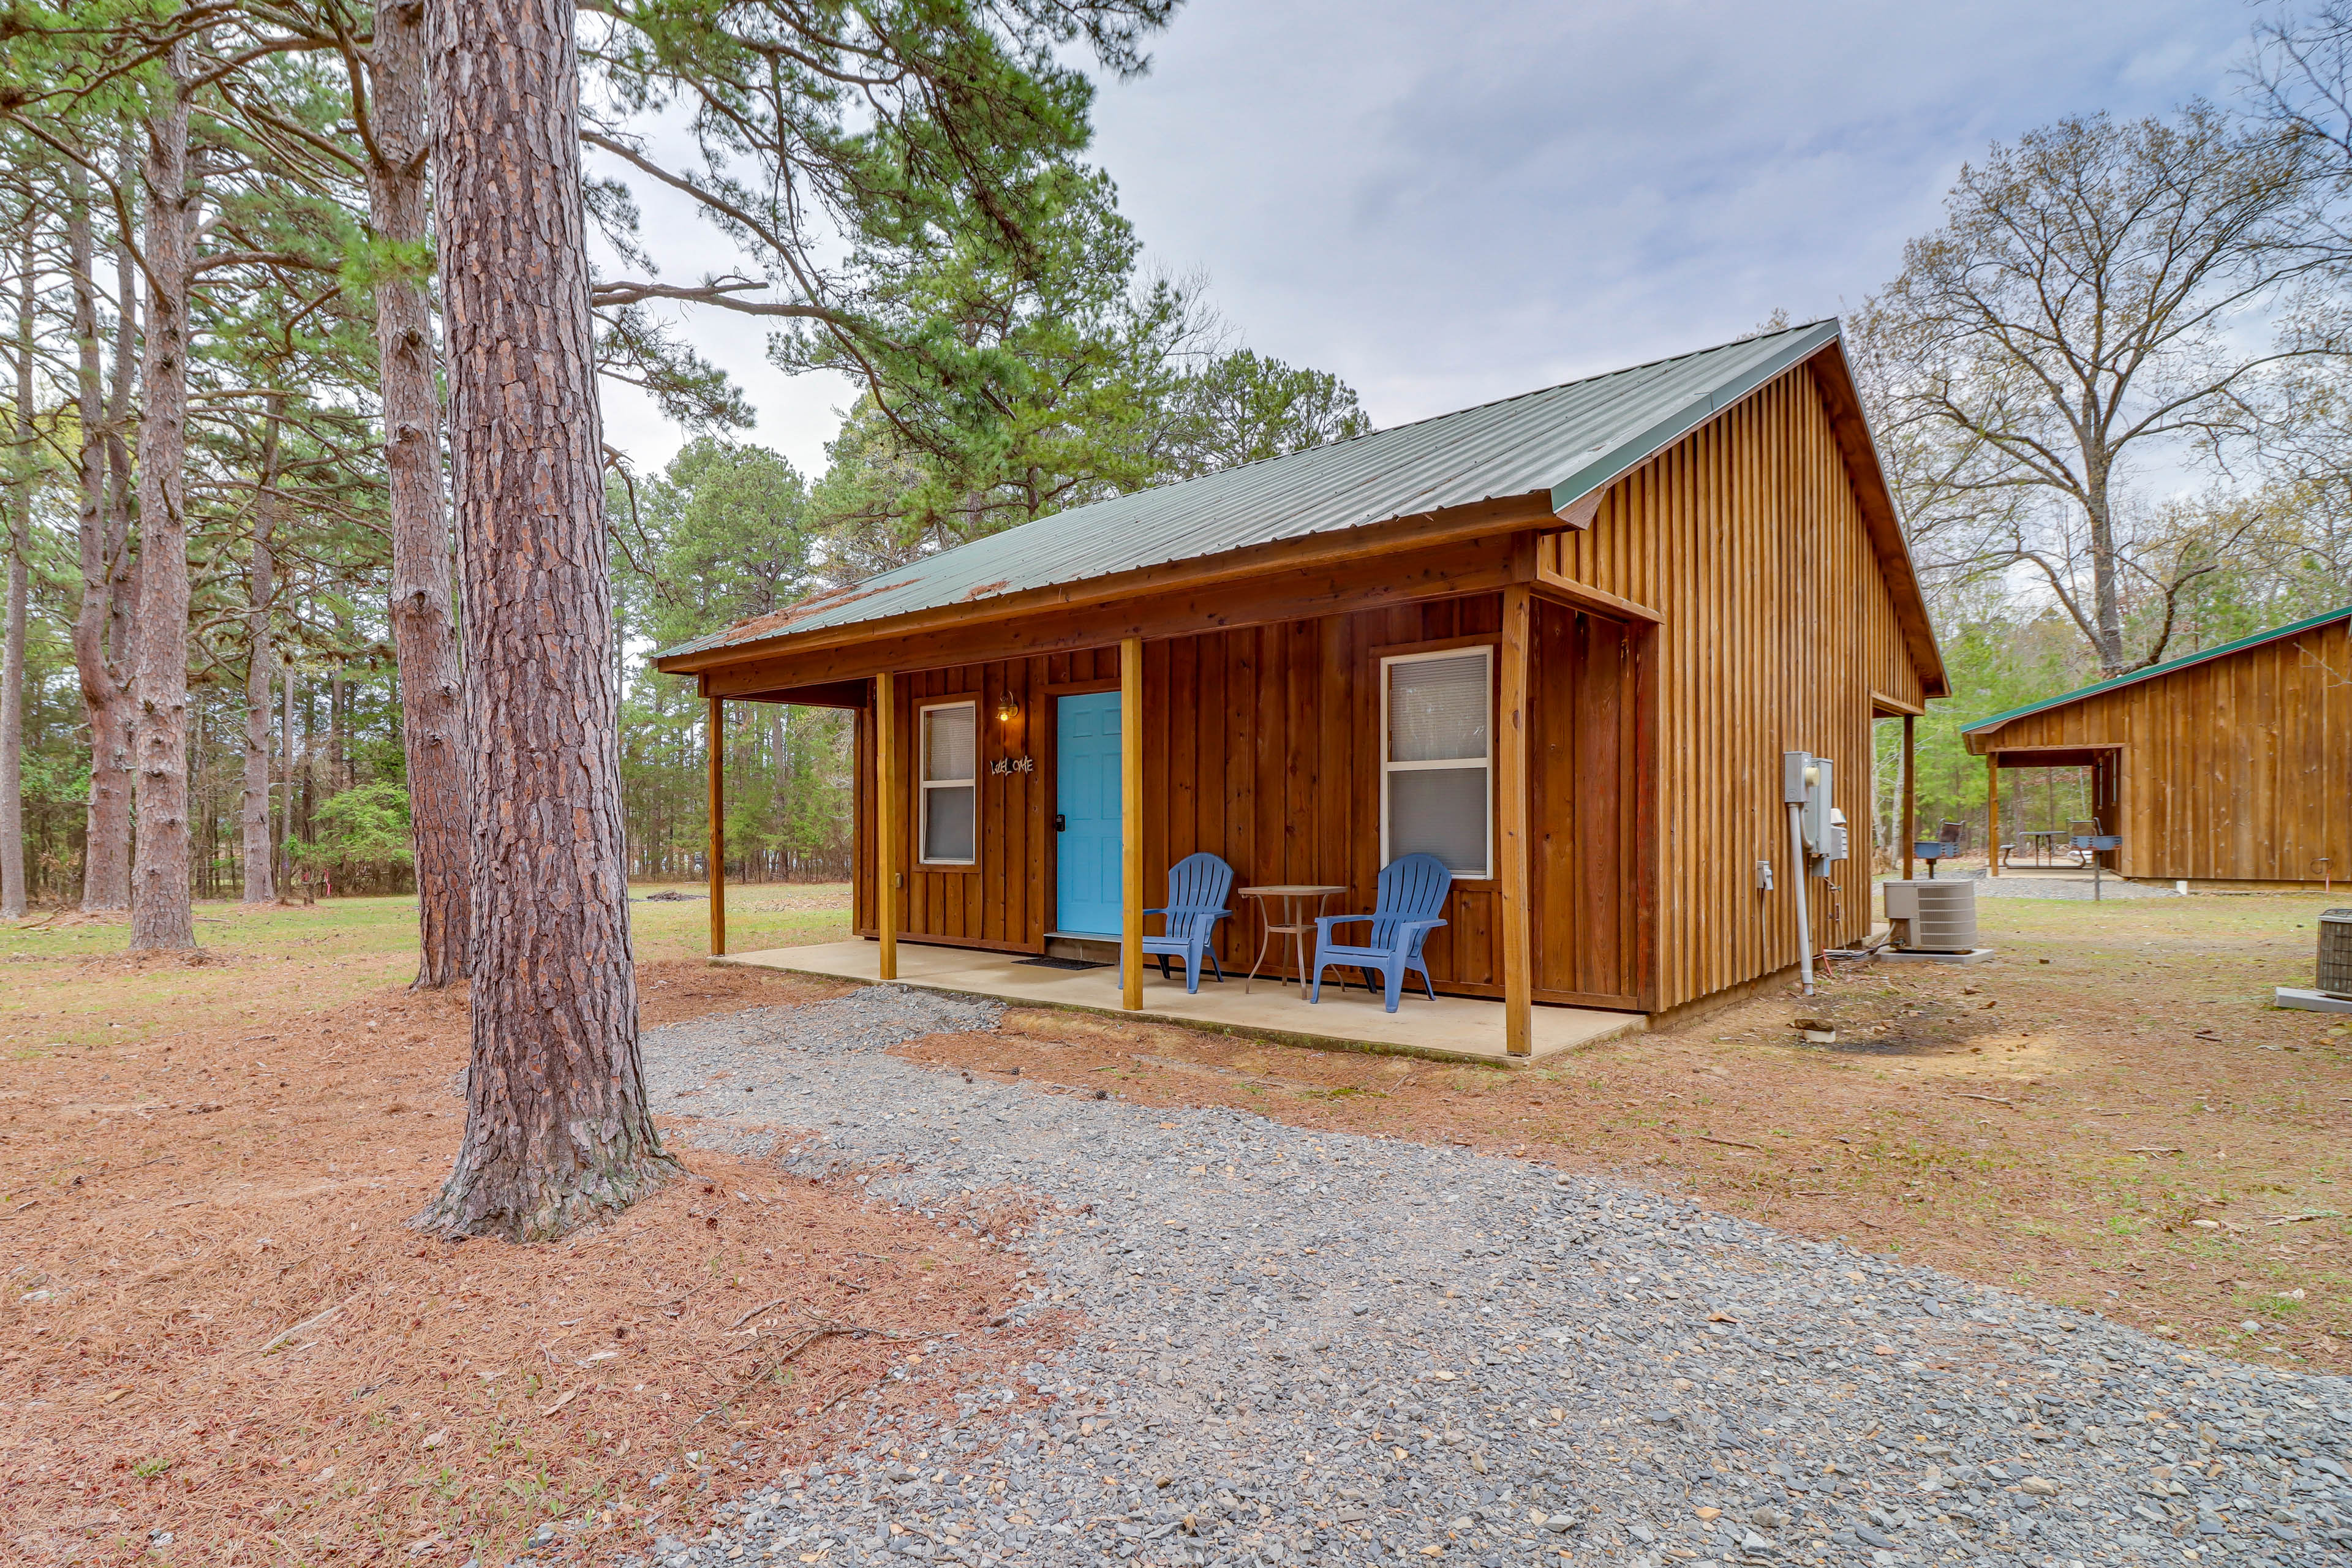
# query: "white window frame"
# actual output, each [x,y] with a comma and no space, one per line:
[924,783]
[1486,653]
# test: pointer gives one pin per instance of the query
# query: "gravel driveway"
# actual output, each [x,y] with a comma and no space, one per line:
[1335,1349]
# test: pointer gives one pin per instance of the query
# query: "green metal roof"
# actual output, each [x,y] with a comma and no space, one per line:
[2254,639]
[1570,439]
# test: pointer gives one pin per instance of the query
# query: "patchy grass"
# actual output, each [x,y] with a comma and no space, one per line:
[66,979]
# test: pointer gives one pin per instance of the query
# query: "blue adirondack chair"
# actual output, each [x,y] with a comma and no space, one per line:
[1197,887]
[1413,888]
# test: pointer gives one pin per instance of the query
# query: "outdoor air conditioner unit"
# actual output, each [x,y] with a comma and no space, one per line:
[2334,992]
[1932,916]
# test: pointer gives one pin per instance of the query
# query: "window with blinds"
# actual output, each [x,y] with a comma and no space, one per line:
[1437,750]
[949,779]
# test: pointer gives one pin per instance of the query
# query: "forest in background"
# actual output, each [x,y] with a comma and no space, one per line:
[906,188]
[2110,388]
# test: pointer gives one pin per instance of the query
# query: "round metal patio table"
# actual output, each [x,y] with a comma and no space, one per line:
[1297,921]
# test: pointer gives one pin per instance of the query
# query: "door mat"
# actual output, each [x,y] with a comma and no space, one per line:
[1061,964]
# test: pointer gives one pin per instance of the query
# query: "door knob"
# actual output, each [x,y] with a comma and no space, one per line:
[1061,823]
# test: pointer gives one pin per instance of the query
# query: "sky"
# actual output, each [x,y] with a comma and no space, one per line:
[1448,204]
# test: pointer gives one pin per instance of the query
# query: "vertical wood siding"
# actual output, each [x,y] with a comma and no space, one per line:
[1777,624]
[2234,770]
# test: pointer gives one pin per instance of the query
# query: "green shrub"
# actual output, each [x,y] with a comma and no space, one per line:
[363,844]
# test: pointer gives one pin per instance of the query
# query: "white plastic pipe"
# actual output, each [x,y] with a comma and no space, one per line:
[1804,927]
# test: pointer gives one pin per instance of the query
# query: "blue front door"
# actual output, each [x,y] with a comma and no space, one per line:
[1086,797]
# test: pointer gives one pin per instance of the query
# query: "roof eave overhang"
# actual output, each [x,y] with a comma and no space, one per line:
[1499,515]
[1891,542]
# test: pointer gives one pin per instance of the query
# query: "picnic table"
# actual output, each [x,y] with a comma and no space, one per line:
[2045,840]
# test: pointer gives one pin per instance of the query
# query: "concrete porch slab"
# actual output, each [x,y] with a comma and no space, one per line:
[1452,1029]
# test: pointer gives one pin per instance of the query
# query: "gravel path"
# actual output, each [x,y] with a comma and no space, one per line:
[1338,1349]
[2026,885]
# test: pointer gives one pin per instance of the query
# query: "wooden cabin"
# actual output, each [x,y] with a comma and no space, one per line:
[2233,765]
[1562,641]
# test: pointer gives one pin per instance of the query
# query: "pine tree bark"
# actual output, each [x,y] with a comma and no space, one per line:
[162,915]
[424,621]
[556,1130]
[287,753]
[101,533]
[12,641]
[338,774]
[261,587]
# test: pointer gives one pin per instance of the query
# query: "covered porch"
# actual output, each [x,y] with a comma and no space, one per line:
[1452,1029]
[2037,840]
[1266,746]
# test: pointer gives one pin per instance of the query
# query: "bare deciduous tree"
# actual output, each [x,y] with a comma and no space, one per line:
[2088,300]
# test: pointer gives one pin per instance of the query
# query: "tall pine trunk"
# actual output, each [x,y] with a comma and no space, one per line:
[161,916]
[556,1125]
[423,626]
[12,640]
[102,536]
[261,586]
[111,594]
[287,751]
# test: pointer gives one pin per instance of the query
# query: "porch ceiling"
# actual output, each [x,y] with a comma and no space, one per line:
[1452,1029]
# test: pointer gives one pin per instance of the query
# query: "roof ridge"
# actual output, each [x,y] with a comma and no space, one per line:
[1556,387]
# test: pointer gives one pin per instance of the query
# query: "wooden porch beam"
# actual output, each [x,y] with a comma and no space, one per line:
[1992,816]
[1910,794]
[1511,846]
[1130,823]
[886,824]
[1578,595]
[850,694]
[718,852]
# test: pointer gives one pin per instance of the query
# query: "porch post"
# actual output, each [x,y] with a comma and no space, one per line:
[1910,796]
[1992,813]
[1131,822]
[886,822]
[1511,789]
[718,852]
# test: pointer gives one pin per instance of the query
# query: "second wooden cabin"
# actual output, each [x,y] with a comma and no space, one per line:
[2230,766]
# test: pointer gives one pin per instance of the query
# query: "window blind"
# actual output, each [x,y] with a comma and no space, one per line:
[1436,795]
[950,743]
[951,788]
[1437,709]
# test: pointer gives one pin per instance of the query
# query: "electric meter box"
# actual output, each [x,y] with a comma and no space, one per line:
[1810,783]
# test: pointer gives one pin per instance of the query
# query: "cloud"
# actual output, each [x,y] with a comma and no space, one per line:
[1447,204]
